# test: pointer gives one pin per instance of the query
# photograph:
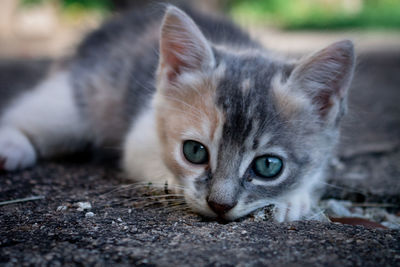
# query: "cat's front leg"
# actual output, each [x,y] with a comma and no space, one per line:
[43,122]
[293,207]
[16,151]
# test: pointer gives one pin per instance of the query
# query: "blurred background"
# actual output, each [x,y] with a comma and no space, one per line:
[51,28]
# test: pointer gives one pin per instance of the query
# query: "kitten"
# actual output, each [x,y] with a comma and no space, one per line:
[198,104]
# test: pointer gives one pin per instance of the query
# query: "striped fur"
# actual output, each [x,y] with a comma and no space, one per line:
[146,89]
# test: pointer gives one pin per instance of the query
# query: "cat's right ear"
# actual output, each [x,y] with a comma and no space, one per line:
[183,46]
[325,77]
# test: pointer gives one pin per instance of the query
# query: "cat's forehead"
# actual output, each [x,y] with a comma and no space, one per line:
[255,65]
[244,94]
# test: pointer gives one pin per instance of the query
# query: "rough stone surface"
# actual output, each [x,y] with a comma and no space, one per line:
[128,228]
[124,233]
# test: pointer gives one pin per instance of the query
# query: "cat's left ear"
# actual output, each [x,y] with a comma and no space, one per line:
[325,78]
[183,46]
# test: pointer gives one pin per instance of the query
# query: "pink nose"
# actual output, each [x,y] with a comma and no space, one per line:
[220,208]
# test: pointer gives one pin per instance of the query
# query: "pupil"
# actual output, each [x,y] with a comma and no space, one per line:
[267,162]
[196,149]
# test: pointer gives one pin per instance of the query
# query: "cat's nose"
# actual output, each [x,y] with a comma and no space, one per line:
[220,208]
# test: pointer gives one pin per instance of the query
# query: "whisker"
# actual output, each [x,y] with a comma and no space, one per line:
[156,197]
[341,187]
[196,118]
[143,202]
[184,103]
[316,215]
[163,202]
[147,185]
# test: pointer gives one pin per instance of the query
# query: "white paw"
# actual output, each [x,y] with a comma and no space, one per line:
[293,208]
[16,151]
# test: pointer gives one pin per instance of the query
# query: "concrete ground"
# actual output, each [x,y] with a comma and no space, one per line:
[125,227]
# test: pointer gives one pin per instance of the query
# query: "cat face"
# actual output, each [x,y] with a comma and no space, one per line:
[241,130]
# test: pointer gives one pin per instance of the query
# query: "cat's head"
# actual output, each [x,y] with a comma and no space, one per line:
[243,129]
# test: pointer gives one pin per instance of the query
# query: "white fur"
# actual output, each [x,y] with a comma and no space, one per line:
[197,204]
[142,158]
[45,118]
[295,207]
[190,80]
[297,204]
[241,210]
[16,150]
[246,85]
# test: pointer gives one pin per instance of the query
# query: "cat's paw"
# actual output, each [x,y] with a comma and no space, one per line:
[295,207]
[16,151]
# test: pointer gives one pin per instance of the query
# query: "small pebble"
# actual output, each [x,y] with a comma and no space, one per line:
[83,206]
[61,208]
[89,214]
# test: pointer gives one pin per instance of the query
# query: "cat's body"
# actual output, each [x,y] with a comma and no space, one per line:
[203,107]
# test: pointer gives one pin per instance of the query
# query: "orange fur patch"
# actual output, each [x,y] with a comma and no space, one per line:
[186,108]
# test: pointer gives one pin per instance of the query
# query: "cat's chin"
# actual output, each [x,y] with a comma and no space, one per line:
[232,217]
[201,207]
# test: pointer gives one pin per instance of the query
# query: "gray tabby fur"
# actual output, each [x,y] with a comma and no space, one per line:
[126,82]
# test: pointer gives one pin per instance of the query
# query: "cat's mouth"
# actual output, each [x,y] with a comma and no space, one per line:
[237,213]
[217,212]
[210,215]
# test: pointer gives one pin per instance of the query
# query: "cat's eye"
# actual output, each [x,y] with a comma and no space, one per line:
[195,152]
[267,166]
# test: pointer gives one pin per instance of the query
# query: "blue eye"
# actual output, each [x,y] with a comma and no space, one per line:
[195,152]
[267,166]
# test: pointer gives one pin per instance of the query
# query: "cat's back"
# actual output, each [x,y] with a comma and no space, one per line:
[113,72]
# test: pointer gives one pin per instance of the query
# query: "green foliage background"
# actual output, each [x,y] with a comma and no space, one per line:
[318,14]
[77,5]
[288,14]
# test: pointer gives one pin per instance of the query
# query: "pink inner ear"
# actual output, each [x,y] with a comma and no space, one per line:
[334,84]
[171,54]
[324,102]
[183,47]
[326,75]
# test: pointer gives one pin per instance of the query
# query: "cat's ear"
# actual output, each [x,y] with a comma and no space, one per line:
[325,77]
[183,47]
